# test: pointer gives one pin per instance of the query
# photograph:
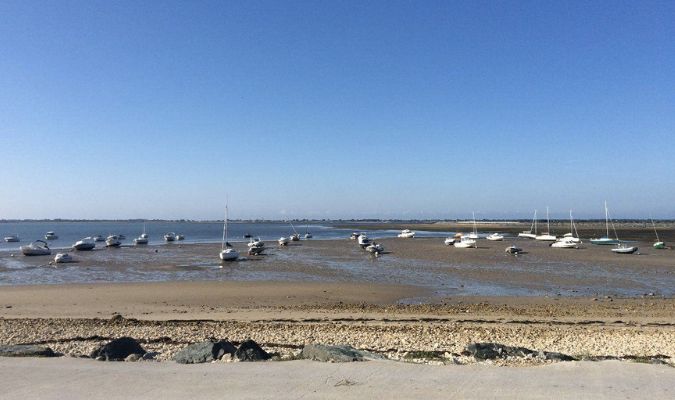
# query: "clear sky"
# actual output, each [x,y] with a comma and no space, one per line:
[329,109]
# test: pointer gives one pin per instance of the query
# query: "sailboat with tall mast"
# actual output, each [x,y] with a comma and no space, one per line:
[227,253]
[573,235]
[547,237]
[659,244]
[532,233]
[143,239]
[473,235]
[605,240]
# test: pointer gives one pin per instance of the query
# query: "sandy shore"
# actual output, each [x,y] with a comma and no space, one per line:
[87,379]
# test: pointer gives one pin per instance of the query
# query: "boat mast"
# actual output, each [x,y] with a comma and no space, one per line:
[657,233]
[606,218]
[475,231]
[222,245]
[548,223]
[535,222]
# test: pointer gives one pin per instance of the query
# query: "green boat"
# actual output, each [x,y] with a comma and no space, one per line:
[659,244]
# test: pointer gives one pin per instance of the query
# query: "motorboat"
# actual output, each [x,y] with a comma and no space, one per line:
[113,241]
[37,248]
[255,246]
[62,258]
[623,249]
[532,233]
[606,240]
[565,244]
[375,248]
[495,237]
[98,238]
[12,238]
[84,244]
[170,237]
[406,233]
[513,250]
[449,241]
[227,252]
[363,241]
[355,235]
[180,236]
[547,237]
[51,236]
[283,241]
[465,243]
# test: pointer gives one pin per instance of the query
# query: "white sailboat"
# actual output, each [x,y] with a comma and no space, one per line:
[606,239]
[143,239]
[474,234]
[532,233]
[547,237]
[227,253]
[295,236]
[465,242]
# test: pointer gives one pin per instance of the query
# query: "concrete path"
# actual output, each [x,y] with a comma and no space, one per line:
[69,378]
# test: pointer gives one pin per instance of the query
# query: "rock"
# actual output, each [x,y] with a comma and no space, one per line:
[491,351]
[26,350]
[118,349]
[250,351]
[133,357]
[555,356]
[151,355]
[204,352]
[116,318]
[319,352]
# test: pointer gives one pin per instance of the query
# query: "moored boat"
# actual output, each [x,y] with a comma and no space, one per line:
[623,249]
[84,244]
[227,252]
[113,241]
[465,243]
[495,237]
[51,236]
[606,240]
[532,233]
[12,238]
[513,250]
[283,241]
[170,237]
[36,248]
[406,233]
[62,258]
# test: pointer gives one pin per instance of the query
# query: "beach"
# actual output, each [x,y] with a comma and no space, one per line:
[420,302]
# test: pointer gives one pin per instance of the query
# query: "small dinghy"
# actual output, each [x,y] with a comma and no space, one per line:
[623,249]
[180,236]
[513,250]
[363,241]
[355,235]
[283,241]
[37,248]
[295,237]
[375,248]
[84,244]
[449,241]
[170,237]
[565,244]
[62,258]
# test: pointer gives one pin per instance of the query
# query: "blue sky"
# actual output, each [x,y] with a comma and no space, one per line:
[340,109]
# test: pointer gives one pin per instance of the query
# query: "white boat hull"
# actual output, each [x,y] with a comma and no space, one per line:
[564,245]
[449,241]
[495,237]
[546,238]
[229,255]
[62,258]
[283,241]
[527,235]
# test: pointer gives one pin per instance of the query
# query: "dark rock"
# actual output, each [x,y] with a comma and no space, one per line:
[555,356]
[118,349]
[26,350]
[491,351]
[204,352]
[319,352]
[250,351]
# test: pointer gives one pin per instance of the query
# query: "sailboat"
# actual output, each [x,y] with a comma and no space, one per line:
[547,237]
[227,253]
[532,233]
[307,234]
[295,236]
[143,239]
[573,235]
[474,234]
[659,244]
[606,239]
